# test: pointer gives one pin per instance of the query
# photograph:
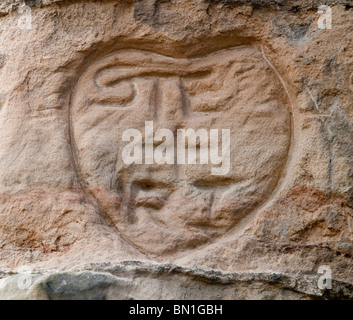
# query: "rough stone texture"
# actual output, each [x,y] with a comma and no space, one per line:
[136,280]
[72,212]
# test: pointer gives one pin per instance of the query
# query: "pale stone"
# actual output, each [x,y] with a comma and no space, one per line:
[75,75]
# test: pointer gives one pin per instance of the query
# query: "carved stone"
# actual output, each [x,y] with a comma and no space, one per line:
[76,76]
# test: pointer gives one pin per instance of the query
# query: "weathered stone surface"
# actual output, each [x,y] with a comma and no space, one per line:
[127,88]
[133,280]
[85,71]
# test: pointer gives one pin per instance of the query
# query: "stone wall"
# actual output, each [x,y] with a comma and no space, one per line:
[76,74]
